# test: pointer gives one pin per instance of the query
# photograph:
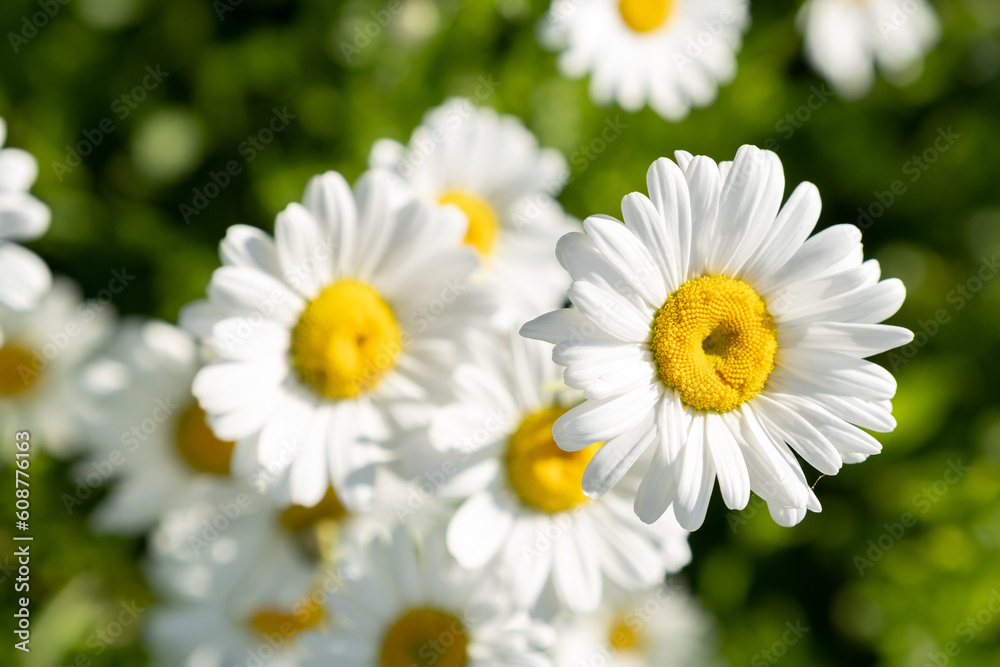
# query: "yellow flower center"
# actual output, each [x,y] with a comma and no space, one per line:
[297,517]
[542,475]
[483,227]
[425,637]
[623,637]
[273,622]
[714,342]
[198,446]
[17,370]
[645,15]
[346,340]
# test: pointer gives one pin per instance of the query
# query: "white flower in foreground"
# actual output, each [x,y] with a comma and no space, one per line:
[711,325]
[412,606]
[844,39]
[659,627]
[240,581]
[333,335]
[41,363]
[24,277]
[148,432]
[672,54]
[491,168]
[524,510]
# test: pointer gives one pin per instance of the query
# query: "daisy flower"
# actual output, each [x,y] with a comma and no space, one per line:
[411,605]
[41,361]
[335,335]
[24,277]
[149,433]
[491,168]
[673,54]
[711,326]
[844,39]
[241,580]
[662,626]
[523,508]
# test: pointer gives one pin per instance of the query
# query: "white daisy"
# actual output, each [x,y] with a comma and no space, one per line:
[524,510]
[149,433]
[491,168]
[412,606]
[240,581]
[40,365]
[710,325]
[844,39]
[660,627]
[333,335]
[673,54]
[24,277]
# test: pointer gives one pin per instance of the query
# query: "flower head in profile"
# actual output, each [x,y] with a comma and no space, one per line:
[846,39]
[490,167]
[335,336]
[24,277]
[712,327]
[671,54]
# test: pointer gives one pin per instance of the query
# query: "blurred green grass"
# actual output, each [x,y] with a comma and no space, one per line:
[227,75]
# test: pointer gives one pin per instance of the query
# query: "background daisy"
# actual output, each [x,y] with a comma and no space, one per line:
[671,54]
[410,603]
[662,626]
[490,167]
[41,362]
[523,509]
[24,277]
[845,39]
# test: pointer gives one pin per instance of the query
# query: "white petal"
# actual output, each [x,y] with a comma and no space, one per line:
[478,529]
[615,458]
[734,480]
[696,478]
[628,256]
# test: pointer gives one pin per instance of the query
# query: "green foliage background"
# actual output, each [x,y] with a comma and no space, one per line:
[231,63]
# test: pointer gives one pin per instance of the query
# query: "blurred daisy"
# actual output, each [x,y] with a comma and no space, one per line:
[525,510]
[844,39]
[491,168]
[710,325]
[149,433]
[672,54]
[41,361]
[238,584]
[24,277]
[333,335]
[410,605]
[659,627]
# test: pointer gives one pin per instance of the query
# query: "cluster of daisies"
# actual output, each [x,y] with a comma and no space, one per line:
[384,439]
[674,54]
